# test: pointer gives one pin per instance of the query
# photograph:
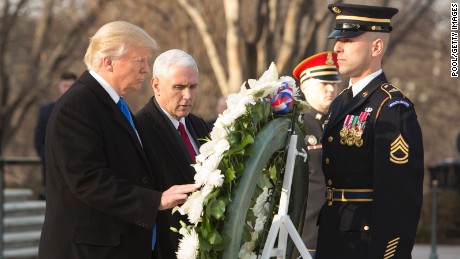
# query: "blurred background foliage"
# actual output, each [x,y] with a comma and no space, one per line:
[231,40]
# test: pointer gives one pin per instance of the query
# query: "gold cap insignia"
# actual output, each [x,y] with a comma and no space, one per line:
[329,60]
[337,10]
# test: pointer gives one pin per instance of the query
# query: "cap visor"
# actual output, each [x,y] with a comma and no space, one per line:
[328,78]
[337,34]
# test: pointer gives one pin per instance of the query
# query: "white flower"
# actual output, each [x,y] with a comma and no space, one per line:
[216,179]
[246,250]
[270,75]
[221,147]
[206,150]
[218,131]
[261,202]
[236,107]
[260,221]
[188,245]
[206,190]
[196,208]
[193,207]
[291,82]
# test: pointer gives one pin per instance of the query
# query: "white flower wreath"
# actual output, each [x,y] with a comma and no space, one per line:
[218,167]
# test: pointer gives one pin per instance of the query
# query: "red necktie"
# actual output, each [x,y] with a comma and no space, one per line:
[186,139]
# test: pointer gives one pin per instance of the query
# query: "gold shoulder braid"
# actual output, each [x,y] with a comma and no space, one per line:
[391,90]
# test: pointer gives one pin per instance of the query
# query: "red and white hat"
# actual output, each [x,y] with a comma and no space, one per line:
[322,66]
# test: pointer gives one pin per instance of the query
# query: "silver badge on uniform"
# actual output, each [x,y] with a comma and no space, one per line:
[311,140]
[300,118]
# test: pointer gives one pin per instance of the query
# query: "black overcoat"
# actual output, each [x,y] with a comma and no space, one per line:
[100,197]
[167,143]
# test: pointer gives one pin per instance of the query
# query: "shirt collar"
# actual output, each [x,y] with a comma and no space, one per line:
[358,86]
[108,88]
[174,121]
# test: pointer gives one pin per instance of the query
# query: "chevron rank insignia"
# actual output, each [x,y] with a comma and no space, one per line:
[399,151]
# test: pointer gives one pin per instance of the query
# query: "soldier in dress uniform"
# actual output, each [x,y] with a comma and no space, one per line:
[318,78]
[372,148]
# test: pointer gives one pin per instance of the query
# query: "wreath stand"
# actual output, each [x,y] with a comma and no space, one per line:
[282,223]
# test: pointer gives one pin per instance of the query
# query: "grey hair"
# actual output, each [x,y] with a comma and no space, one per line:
[175,57]
[113,40]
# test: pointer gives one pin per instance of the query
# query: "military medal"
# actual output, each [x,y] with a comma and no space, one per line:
[352,131]
[361,124]
[312,140]
[345,131]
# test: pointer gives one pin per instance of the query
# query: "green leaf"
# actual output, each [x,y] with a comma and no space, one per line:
[225,241]
[214,238]
[229,175]
[264,182]
[218,209]
[234,138]
[248,139]
[246,236]
[273,173]
[204,244]
[256,112]
[237,150]
[206,225]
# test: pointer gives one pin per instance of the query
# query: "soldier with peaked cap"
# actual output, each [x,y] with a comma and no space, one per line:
[372,148]
[318,78]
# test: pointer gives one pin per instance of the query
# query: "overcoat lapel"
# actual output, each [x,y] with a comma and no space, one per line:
[166,133]
[117,115]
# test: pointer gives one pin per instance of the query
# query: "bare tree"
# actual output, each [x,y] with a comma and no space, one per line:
[43,59]
[281,31]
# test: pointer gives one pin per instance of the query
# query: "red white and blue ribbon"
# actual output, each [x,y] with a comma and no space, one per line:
[282,102]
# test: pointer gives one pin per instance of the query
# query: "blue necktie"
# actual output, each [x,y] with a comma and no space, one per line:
[124,108]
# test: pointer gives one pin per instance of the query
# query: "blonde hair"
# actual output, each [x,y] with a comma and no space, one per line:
[113,39]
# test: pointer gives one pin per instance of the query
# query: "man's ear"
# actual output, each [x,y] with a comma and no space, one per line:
[155,85]
[107,63]
[377,47]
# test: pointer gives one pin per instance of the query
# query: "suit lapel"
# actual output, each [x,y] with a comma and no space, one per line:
[171,139]
[338,113]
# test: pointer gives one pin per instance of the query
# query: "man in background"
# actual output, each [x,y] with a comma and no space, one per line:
[102,182]
[173,132]
[66,80]
[318,77]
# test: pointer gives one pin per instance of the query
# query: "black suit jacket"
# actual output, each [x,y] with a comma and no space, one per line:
[169,146]
[389,161]
[40,132]
[100,197]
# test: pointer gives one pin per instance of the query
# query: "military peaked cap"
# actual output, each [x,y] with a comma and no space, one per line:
[353,20]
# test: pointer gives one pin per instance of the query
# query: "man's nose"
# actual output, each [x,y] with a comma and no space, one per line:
[338,47]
